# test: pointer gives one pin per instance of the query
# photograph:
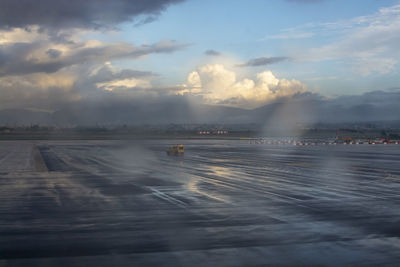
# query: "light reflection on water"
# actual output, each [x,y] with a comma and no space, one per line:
[193,186]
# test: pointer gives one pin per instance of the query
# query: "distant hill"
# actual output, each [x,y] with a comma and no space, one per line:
[24,117]
[301,109]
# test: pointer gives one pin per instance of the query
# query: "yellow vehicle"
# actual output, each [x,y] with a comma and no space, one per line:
[176,150]
[346,139]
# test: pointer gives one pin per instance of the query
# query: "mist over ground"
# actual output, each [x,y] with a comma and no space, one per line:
[305,108]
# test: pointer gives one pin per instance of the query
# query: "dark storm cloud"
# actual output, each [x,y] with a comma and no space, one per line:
[212,53]
[77,13]
[14,59]
[17,59]
[262,61]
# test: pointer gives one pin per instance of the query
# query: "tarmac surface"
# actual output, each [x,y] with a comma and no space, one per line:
[224,203]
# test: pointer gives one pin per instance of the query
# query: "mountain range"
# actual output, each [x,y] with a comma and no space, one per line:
[302,108]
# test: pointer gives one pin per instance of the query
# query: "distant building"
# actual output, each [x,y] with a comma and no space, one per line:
[212,132]
[5,130]
[204,132]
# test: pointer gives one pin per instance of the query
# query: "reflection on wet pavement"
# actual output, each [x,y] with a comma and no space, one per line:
[225,203]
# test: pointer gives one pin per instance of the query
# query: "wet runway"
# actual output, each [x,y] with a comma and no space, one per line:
[224,203]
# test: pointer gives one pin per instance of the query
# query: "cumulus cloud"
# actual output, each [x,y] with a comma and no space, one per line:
[219,85]
[40,90]
[91,14]
[262,61]
[73,84]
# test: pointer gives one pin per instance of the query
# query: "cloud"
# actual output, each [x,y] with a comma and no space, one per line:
[262,61]
[289,34]
[44,91]
[124,84]
[107,72]
[42,70]
[212,53]
[110,78]
[74,84]
[91,14]
[42,54]
[218,85]
[53,53]
[104,79]
[107,94]
[368,44]
[47,59]
[371,65]
[209,84]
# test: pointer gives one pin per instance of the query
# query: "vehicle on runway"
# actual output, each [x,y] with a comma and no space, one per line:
[176,150]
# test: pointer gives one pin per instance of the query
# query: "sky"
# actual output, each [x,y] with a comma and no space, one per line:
[243,54]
